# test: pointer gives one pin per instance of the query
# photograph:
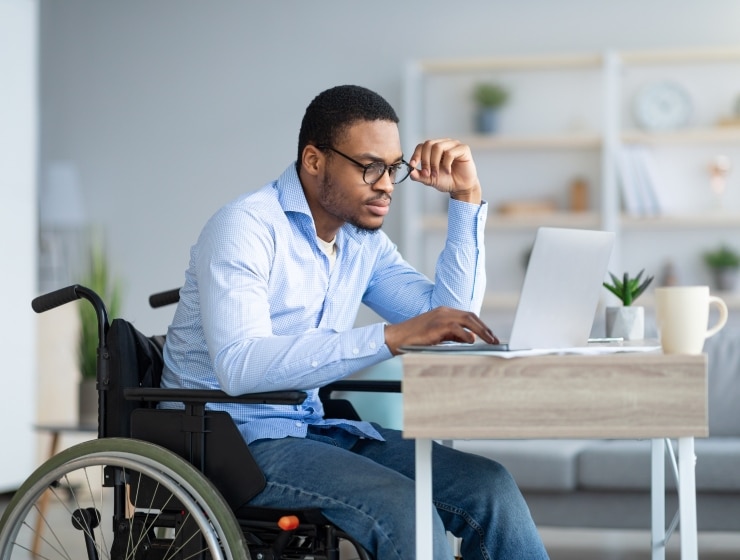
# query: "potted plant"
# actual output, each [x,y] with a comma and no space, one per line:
[723,263]
[100,280]
[489,98]
[627,321]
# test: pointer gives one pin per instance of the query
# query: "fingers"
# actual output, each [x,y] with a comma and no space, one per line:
[435,158]
[438,325]
[445,164]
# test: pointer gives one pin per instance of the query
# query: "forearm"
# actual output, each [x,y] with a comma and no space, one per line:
[299,362]
[460,274]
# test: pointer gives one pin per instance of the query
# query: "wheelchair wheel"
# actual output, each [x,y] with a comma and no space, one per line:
[119,498]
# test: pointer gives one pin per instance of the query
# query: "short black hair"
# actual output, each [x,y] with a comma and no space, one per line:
[332,111]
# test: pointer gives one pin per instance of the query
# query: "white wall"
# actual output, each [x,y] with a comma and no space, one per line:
[18,151]
[172,107]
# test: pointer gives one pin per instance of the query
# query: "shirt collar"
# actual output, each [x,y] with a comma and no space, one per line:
[293,199]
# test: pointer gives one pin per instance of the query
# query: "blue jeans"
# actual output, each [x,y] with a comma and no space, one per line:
[366,488]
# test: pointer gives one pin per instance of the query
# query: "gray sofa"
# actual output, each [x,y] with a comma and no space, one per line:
[606,484]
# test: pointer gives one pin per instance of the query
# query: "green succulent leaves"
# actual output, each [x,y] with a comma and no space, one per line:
[628,289]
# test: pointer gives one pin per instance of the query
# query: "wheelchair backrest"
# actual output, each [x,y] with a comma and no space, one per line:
[135,361]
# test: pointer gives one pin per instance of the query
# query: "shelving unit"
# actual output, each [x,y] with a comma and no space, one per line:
[568,117]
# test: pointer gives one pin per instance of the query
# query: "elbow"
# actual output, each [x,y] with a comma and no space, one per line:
[234,377]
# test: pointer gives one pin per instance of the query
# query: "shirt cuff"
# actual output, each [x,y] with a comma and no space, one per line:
[460,216]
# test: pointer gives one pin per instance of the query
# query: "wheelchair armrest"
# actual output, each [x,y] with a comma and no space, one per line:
[343,408]
[362,386]
[145,394]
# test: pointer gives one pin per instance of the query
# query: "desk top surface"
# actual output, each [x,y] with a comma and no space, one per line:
[624,396]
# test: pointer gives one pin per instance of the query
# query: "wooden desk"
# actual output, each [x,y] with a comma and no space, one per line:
[615,396]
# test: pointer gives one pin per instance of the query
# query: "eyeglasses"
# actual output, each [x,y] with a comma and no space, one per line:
[373,172]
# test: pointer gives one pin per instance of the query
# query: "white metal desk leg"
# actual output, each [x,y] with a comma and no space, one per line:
[687,498]
[424,498]
[657,494]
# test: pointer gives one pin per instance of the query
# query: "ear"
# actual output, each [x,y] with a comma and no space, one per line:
[312,160]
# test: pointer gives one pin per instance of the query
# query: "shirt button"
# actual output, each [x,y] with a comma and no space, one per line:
[298,424]
[372,345]
[314,363]
[356,351]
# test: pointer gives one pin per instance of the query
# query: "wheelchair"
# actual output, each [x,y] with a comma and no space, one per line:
[162,484]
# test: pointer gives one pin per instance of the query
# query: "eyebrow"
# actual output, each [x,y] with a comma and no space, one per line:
[379,159]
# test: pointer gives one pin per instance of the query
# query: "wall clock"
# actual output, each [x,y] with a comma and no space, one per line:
[662,106]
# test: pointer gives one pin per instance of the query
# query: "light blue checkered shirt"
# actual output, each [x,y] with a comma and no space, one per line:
[261,311]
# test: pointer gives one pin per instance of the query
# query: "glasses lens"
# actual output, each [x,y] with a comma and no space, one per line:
[374,172]
[399,172]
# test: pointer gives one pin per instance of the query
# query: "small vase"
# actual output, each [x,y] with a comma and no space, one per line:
[627,322]
[725,278]
[486,120]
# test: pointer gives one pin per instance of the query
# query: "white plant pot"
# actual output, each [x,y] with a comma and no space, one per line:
[725,278]
[625,322]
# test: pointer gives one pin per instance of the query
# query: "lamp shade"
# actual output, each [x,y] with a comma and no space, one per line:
[61,204]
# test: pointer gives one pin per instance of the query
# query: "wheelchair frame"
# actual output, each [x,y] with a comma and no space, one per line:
[166,497]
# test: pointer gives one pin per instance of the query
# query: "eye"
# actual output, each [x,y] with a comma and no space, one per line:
[376,168]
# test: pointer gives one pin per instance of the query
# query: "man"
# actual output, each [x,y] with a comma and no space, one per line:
[269,303]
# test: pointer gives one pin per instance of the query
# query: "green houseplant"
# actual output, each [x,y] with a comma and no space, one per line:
[627,321]
[628,289]
[99,279]
[723,262]
[489,98]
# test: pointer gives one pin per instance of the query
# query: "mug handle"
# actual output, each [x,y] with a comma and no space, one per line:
[722,308]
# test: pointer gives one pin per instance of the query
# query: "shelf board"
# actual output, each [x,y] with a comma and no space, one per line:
[684,136]
[681,56]
[507,301]
[593,140]
[524,62]
[592,220]
[710,220]
[577,60]
[586,220]
[732,299]
[571,140]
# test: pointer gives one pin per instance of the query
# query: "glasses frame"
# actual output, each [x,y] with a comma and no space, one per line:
[365,167]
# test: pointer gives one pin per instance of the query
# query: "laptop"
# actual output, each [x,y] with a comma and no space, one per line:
[559,296]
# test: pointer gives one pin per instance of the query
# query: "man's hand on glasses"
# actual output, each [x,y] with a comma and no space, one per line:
[448,166]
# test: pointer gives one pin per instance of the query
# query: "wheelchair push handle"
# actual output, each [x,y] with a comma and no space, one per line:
[57,298]
[160,299]
[54,299]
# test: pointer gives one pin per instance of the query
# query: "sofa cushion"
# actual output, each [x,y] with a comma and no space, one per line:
[535,464]
[723,357]
[625,465]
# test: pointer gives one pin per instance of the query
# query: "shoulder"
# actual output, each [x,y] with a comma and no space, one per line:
[258,207]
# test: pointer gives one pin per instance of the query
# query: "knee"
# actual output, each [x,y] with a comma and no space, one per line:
[489,474]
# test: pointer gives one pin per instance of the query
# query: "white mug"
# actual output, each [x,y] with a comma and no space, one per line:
[682,315]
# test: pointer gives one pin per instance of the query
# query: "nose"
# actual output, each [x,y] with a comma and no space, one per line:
[384,184]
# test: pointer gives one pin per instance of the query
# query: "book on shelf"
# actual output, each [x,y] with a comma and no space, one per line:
[639,181]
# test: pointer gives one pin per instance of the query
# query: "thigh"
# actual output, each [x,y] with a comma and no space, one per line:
[448,464]
[366,499]
[302,466]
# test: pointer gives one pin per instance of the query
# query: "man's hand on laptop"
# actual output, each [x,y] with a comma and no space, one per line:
[442,324]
